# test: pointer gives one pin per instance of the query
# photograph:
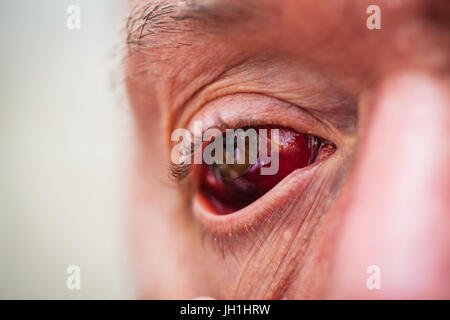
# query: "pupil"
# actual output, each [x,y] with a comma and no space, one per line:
[231,171]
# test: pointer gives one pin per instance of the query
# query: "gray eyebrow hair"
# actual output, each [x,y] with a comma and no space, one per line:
[149,22]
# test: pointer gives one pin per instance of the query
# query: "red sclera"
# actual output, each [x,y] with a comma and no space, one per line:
[296,150]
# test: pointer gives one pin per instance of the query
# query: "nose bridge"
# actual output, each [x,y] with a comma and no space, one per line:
[398,213]
[405,149]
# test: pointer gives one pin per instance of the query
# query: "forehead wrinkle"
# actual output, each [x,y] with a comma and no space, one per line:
[149,22]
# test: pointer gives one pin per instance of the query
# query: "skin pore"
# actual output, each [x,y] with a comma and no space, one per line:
[380,96]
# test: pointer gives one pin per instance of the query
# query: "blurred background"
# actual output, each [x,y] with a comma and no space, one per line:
[64,151]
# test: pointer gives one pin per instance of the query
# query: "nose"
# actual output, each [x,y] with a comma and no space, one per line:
[394,240]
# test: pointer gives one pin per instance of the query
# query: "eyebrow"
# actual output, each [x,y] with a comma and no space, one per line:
[149,22]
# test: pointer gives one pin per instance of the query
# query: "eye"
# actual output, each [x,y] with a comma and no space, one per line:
[229,187]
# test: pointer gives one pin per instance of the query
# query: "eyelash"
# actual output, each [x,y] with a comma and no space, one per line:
[178,172]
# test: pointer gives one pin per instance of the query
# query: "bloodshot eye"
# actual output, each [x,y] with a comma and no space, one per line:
[229,187]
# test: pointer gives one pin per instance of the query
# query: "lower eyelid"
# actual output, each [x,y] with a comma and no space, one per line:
[243,225]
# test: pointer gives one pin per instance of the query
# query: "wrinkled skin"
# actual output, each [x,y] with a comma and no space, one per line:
[381,96]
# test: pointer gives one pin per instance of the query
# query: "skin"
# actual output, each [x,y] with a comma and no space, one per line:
[381,96]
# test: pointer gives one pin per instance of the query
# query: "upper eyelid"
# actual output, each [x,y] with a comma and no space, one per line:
[187,114]
[269,110]
[294,83]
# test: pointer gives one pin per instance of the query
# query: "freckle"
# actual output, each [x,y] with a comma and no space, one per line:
[287,235]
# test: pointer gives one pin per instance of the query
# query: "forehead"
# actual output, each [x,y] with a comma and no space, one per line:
[316,28]
[342,11]
[186,44]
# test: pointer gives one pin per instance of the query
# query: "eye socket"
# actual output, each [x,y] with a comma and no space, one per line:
[229,187]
